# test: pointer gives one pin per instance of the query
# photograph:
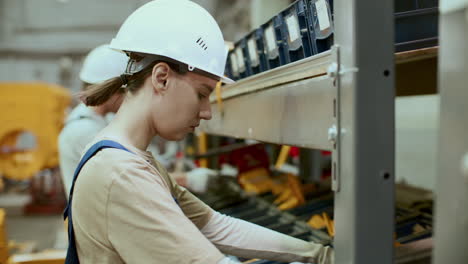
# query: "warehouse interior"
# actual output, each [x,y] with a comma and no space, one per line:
[345,125]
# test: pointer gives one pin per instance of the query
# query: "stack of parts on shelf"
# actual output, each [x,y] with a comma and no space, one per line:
[305,29]
[312,220]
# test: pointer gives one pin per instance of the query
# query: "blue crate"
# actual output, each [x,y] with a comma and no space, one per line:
[240,50]
[233,65]
[409,5]
[405,5]
[321,27]
[416,29]
[228,68]
[427,3]
[238,63]
[256,52]
[295,32]
[274,47]
[417,44]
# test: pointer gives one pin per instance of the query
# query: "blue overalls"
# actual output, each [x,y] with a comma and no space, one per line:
[72,254]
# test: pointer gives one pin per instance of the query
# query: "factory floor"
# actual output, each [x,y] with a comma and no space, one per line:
[30,233]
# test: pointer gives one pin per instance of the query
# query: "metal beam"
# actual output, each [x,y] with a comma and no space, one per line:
[451,222]
[299,70]
[297,113]
[291,105]
[364,206]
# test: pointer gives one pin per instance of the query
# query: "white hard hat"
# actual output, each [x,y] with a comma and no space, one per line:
[103,63]
[179,30]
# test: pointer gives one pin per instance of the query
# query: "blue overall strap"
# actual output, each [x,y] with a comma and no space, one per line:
[72,254]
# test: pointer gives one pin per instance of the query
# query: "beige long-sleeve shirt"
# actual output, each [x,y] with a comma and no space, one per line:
[127,209]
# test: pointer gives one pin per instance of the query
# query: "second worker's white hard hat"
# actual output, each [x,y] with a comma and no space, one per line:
[101,64]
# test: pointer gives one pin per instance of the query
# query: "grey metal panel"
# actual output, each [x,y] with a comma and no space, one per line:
[297,113]
[417,133]
[66,15]
[299,70]
[63,70]
[63,26]
[451,224]
[364,206]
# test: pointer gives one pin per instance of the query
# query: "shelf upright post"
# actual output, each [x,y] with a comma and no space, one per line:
[451,214]
[365,136]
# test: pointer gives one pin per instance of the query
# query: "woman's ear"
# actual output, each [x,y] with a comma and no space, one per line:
[160,76]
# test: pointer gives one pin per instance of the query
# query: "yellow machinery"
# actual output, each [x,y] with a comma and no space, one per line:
[34,112]
[31,115]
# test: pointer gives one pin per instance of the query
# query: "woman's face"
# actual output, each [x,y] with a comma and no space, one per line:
[183,102]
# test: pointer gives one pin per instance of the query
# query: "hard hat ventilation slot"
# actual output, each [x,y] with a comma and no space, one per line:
[202,44]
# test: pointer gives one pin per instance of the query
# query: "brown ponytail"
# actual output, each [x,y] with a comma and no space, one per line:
[98,94]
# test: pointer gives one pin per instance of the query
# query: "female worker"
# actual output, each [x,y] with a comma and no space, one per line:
[83,123]
[126,208]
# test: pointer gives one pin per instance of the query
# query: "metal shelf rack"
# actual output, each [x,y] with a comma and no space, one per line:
[341,100]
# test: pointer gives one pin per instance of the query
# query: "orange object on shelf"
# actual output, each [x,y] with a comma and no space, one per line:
[330,224]
[202,148]
[255,181]
[322,221]
[317,222]
[292,196]
[282,157]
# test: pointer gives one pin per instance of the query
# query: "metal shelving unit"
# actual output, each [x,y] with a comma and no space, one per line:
[301,95]
[451,222]
[341,100]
